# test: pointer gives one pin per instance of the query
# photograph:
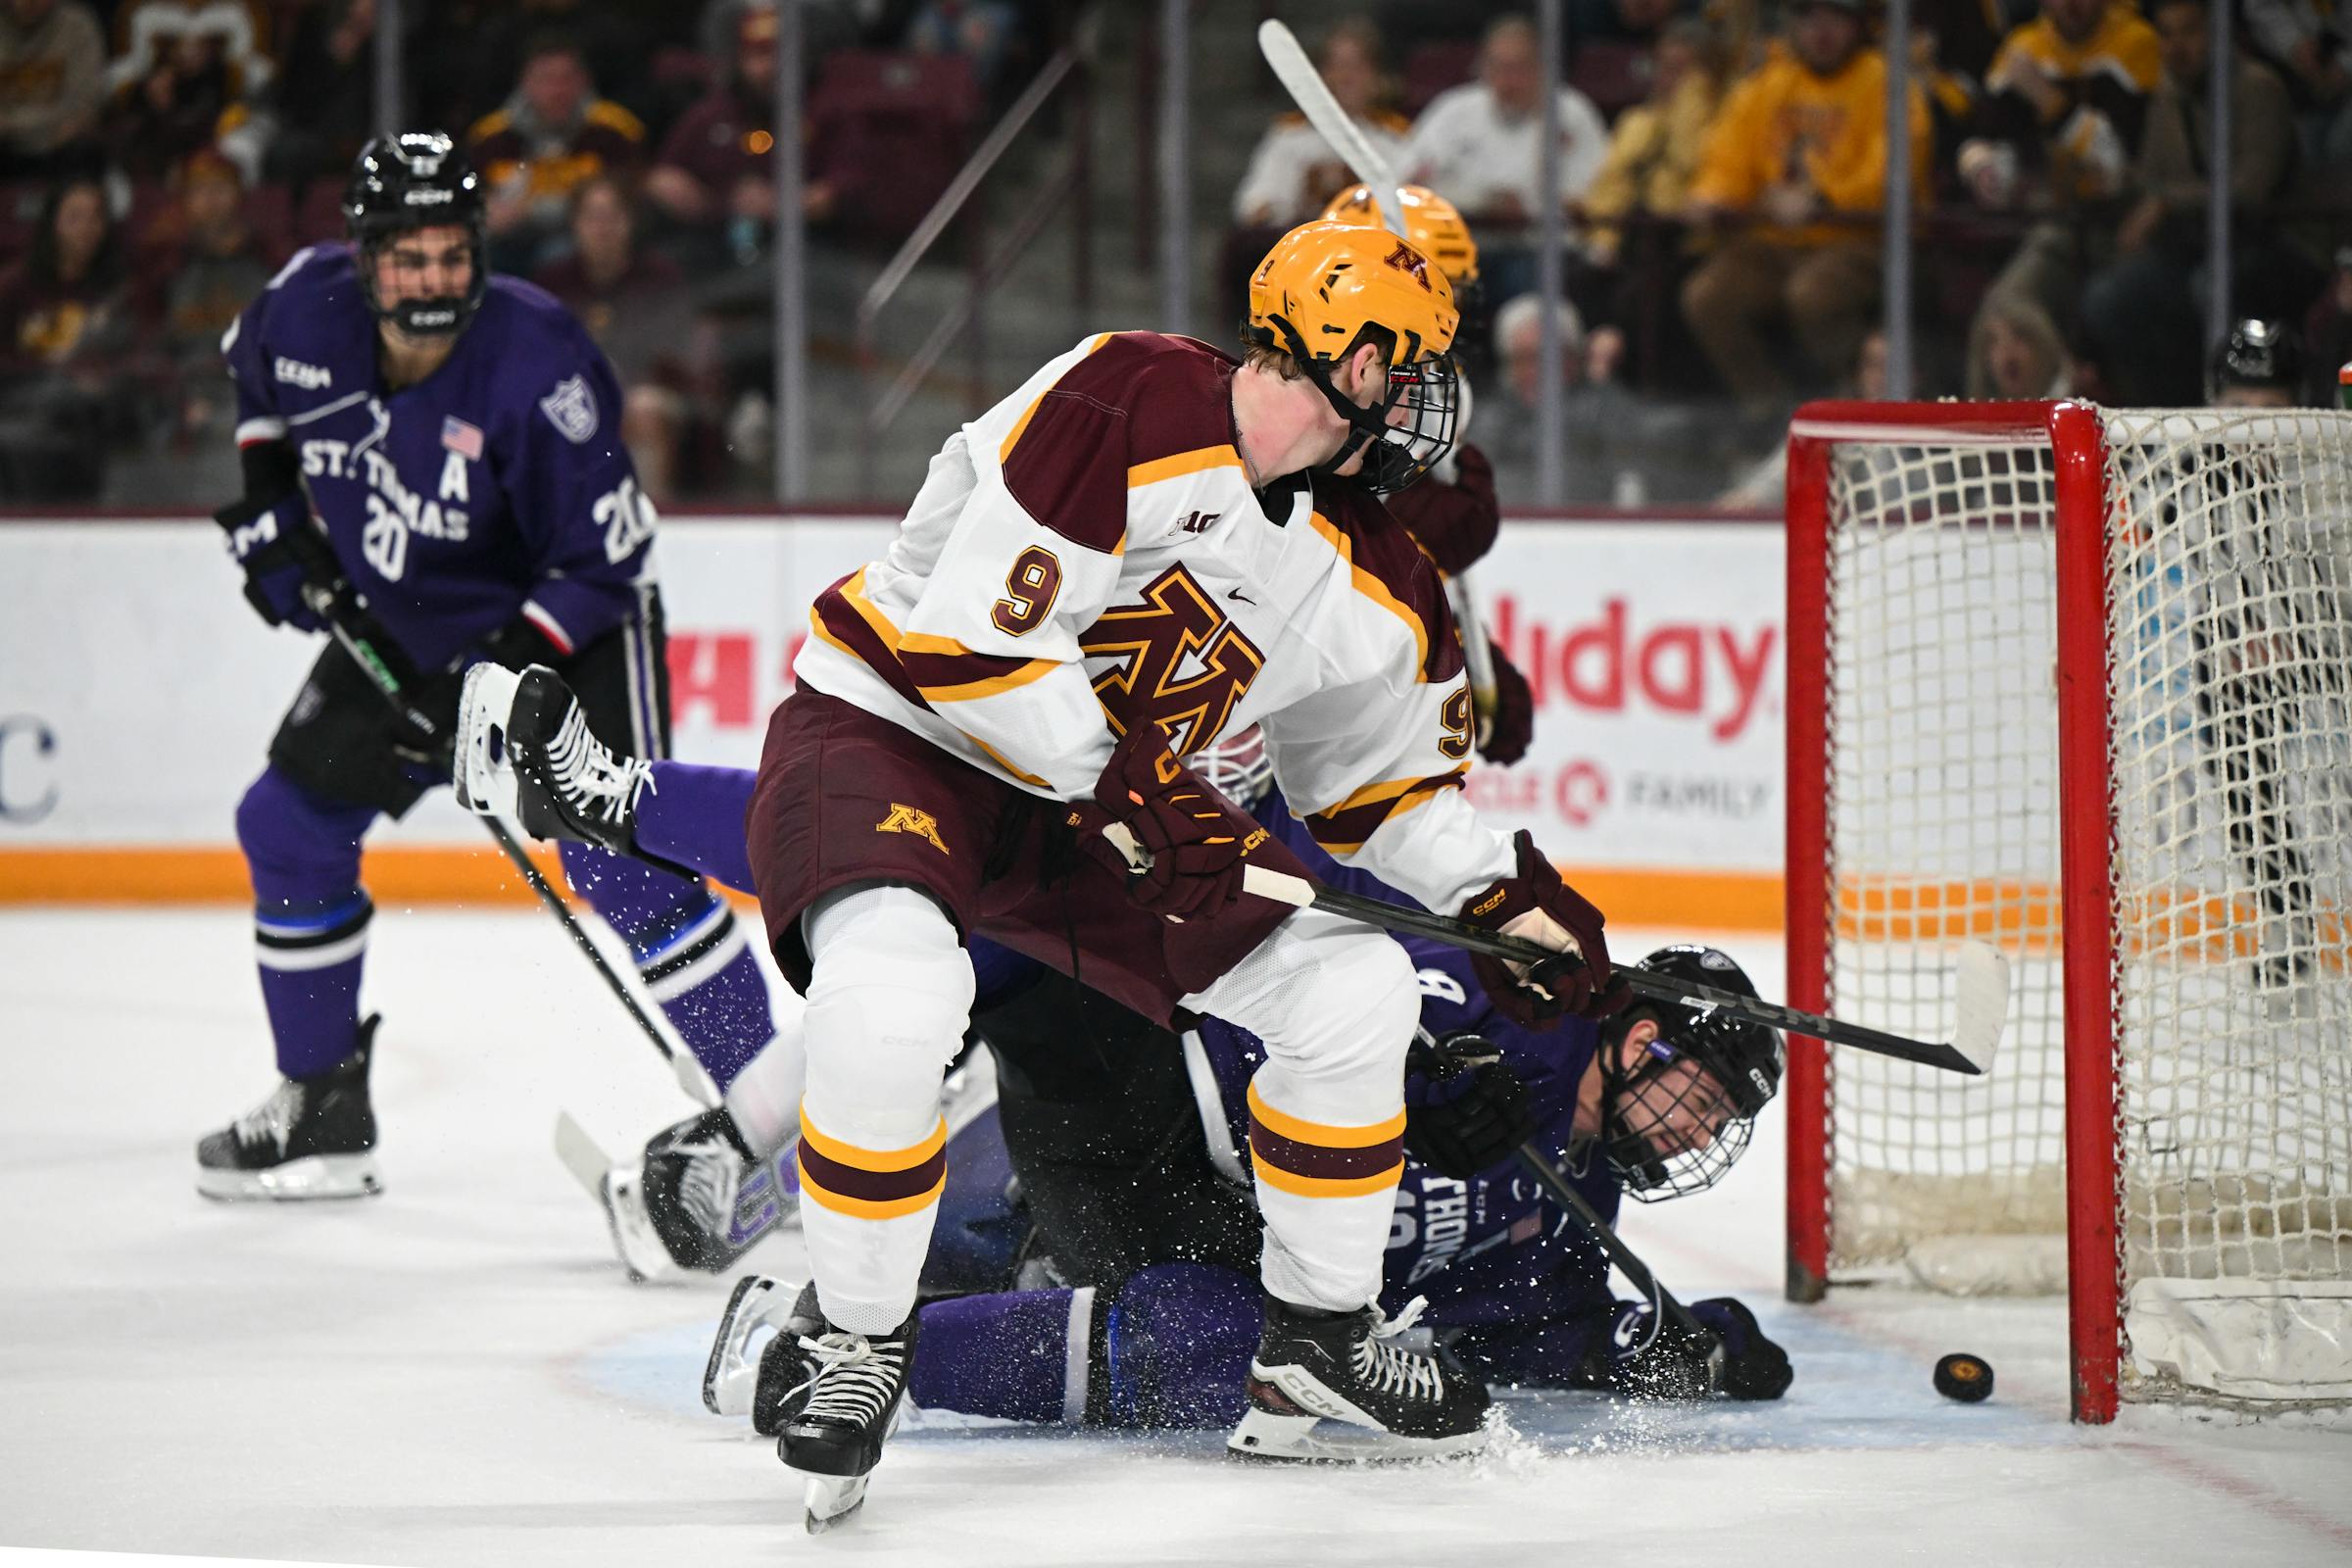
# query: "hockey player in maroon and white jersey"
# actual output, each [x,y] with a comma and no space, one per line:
[1146,546]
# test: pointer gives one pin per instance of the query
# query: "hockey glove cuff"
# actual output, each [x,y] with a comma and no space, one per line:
[1196,842]
[1753,1367]
[1535,905]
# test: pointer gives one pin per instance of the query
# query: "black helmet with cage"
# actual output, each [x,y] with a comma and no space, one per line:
[416,179]
[1668,1130]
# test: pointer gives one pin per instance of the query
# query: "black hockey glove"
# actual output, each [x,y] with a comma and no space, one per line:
[1674,1363]
[1464,1110]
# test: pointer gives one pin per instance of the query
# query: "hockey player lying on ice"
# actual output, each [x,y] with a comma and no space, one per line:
[1139,1193]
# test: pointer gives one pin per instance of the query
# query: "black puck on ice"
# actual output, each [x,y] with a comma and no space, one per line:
[1964,1377]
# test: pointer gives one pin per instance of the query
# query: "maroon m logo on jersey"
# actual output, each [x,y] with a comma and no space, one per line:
[1178,661]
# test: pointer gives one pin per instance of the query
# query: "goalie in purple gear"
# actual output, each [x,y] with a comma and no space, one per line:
[1132,1149]
[438,451]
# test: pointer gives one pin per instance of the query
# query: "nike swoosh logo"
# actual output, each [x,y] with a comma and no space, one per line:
[1236,593]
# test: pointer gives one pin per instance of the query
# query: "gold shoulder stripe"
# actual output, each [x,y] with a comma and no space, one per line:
[1374,589]
[1198,460]
[612,117]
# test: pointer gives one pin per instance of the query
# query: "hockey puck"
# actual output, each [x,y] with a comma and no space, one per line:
[1964,1377]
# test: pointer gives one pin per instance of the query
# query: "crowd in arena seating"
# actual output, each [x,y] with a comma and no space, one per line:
[1721,171]
[161,159]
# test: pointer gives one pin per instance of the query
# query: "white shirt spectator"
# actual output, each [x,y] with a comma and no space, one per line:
[1295,173]
[1464,148]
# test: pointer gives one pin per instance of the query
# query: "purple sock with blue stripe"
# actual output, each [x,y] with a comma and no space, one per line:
[311,918]
[1019,1356]
[690,952]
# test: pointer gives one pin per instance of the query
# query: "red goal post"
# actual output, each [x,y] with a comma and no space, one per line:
[1967,582]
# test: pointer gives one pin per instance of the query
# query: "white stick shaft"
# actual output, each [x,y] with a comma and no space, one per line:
[1305,83]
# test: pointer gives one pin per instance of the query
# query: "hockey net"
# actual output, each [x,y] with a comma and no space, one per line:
[2079,682]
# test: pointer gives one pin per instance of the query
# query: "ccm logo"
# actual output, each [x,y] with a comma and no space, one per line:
[427,196]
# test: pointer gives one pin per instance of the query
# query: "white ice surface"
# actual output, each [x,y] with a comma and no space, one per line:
[455,1373]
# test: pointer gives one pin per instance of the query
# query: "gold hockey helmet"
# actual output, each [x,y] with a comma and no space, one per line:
[1325,289]
[1432,222]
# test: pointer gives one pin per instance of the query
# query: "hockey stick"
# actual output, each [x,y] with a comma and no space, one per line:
[1539,1165]
[333,606]
[1984,976]
[1305,83]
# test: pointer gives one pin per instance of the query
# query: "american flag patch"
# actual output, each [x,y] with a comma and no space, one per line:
[466,440]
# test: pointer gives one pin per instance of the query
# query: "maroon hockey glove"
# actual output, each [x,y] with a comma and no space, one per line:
[1513,722]
[1454,524]
[1537,904]
[1196,843]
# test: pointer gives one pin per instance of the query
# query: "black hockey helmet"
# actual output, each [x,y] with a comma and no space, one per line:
[1665,1132]
[418,179]
[2257,354]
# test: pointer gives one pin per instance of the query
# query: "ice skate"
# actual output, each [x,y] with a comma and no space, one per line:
[695,1200]
[314,1138]
[832,1425]
[523,748]
[1341,1389]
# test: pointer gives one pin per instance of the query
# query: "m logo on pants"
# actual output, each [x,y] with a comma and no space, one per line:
[907,819]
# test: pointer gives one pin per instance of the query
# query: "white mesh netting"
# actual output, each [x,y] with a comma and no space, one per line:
[2229,562]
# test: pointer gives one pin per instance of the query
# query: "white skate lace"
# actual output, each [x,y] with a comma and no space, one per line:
[713,1181]
[592,781]
[854,1377]
[1389,1368]
[272,1118]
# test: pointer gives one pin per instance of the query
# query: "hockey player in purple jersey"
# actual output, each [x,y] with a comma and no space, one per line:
[445,444]
[1131,1144]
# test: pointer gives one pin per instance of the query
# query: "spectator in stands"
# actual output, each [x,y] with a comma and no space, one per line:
[202,264]
[180,77]
[715,175]
[64,316]
[466,55]
[2312,41]
[1294,173]
[1480,146]
[1800,140]
[2059,123]
[552,136]
[634,303]
[2145,307]
[1595,406]
[1654,151]
[52,84]
[324,101]
[2015,352]
[986,32]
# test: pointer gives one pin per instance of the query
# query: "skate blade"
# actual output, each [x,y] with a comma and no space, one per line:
[833,1500]
[731,1377]
[615,1188]
[318,1178]
[484,782]
[1264,1437]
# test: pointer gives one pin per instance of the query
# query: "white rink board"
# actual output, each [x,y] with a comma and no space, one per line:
[138,693]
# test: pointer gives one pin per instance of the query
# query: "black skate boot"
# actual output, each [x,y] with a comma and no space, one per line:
[314,1138]
[776,1382]
[679,1208]
[833,1425]
[523,746]
[1340,1387]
